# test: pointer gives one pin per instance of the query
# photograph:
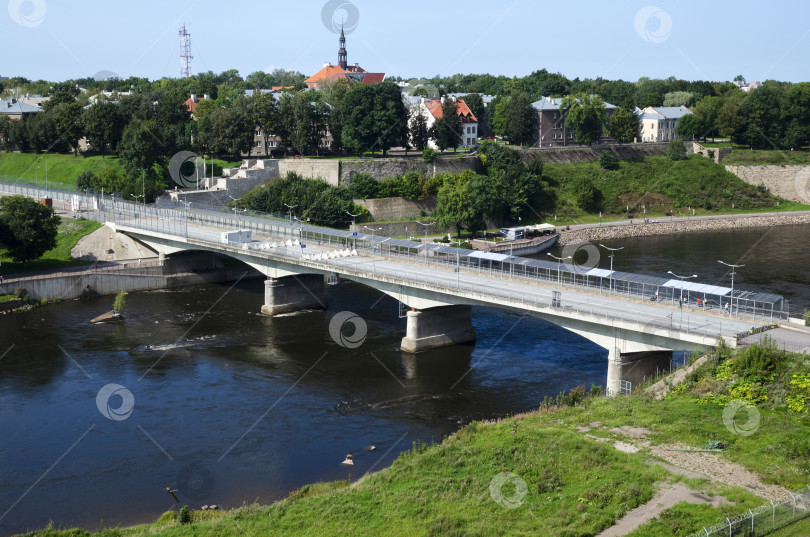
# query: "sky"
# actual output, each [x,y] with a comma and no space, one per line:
[618,39]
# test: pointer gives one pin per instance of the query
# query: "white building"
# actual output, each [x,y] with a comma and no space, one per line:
[432,110]
[660,123]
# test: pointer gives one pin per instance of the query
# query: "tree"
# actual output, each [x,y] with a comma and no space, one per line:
[585,195]
[374,117]
[624,125]
[27,228]
[679,98]
[676,150]
[232,130]
[608,161]
[67,122]
[454,206]
[139,148]
[103,126]
[515,117]
[585,117]
[691,126]
[265,113]
[708,109]
[418,130]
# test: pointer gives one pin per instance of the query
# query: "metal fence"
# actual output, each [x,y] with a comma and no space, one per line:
[764,519]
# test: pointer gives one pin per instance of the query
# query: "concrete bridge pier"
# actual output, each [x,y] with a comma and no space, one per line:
[635,368]
[289,294]
[441,326]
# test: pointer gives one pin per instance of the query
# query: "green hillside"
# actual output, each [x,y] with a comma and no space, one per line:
[657,183]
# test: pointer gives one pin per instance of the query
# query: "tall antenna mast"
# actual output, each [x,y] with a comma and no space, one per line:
[185,56]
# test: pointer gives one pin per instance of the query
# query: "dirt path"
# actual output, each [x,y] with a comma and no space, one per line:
[665,498]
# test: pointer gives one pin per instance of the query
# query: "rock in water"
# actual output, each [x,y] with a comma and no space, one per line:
[109,317]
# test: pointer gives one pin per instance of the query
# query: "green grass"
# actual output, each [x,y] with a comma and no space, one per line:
[70,231]
[62,169]
[574,485]
[657,183]
[7,298]
[759,156]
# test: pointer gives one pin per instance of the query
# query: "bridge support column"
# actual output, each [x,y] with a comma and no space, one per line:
[635,368]
[293,293]
[438,327]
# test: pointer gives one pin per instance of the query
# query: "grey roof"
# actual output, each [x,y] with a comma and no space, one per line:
[665,112]
[13,106]
[553,103]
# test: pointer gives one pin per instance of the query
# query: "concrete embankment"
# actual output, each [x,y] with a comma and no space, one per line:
[167,274]
[665,227]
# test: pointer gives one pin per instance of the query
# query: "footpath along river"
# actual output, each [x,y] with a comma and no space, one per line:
[228,406]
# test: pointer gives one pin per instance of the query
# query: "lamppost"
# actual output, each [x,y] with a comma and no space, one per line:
[611,250]
[732,210]
[733,267]
[187,205]
[777,208]
[559,267]
[372,229]
[426,242]
[291,207]
[354,229]
[300,233]
[682,278]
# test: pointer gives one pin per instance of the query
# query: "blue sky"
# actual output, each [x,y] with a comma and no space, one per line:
[628,39]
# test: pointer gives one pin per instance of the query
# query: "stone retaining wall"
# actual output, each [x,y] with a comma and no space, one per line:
[573,154]
[397,208]
[791,182]
[669,228]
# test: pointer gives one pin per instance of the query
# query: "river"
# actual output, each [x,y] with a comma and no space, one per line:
[228,406]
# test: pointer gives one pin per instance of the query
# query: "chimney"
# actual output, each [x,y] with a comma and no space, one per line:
[207,96]
[327,64]
[356,65]
[442,99]
[194,97]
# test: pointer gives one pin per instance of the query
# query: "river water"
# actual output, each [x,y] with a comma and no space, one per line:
[228,406]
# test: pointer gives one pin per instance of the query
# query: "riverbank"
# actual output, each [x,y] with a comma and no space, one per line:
[666,226]
[574,467]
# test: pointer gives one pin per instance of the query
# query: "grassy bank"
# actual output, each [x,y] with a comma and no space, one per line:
[760,156]
[70,231]
[655,183]
[63,169]
[567,475]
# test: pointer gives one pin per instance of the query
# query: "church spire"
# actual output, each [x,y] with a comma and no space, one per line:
[342,56]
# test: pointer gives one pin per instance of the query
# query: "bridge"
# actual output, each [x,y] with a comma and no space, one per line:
[436,285]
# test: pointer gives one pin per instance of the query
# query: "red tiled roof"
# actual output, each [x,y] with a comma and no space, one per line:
[191,104]
[330,72]
[280,88]
[465,115]
[373,78]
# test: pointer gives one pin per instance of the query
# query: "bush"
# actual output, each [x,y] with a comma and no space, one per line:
[608,161]
[120,302]
[43,302]
[710,153]
[185,515]
[21,292]
[429,154]
[676,150]
[535,167]
[364,186]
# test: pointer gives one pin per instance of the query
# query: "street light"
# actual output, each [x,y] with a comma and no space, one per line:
[372,229]
[611,262]
[426,242]
[300,233]
[291,207]
[682,278]
[187,205]
[732,280]
[777,208]
[559,267]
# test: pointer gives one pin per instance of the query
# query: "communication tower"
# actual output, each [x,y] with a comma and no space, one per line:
[185,56]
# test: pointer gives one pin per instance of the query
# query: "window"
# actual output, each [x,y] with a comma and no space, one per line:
[473,129]
[555,115]
[259,145]
[258,132]
[271,144]
[570,135]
